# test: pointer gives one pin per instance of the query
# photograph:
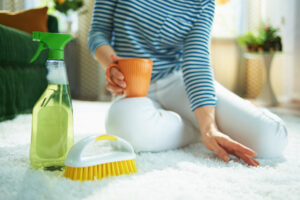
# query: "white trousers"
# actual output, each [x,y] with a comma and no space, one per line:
[164,121]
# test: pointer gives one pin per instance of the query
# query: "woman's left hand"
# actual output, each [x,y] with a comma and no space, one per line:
[223,145]
[219,142]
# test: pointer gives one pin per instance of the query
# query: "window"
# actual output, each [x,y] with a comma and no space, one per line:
[230,19]
[66,23]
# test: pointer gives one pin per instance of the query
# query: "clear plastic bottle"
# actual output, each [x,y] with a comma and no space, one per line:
[52,120]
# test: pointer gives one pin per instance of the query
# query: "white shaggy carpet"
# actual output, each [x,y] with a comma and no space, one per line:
[189,173]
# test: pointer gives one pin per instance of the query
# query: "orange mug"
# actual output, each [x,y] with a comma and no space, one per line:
[137,75]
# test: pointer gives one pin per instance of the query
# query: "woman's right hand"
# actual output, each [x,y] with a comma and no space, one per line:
[118,78]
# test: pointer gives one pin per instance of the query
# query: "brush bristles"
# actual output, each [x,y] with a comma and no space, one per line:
[100,171]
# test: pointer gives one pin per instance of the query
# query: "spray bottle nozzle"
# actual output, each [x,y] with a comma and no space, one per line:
[35,36]
[55,42]
[41,47]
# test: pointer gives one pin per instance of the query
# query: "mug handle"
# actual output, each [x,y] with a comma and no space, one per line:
[107,73]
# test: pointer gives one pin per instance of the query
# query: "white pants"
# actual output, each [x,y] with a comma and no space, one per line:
[163,120]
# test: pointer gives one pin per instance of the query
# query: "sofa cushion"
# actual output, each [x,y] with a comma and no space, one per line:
[17,48]
[21,82]
[28,20]
[52,24]
[20,88]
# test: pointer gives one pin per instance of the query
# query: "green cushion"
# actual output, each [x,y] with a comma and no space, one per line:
[20,88]
[21,82]
[17,48]
[52,24]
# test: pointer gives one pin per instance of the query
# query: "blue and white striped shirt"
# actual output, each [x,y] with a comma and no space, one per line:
[174,33]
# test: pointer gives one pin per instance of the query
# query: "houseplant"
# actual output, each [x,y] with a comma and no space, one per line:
[266,39]
[263,44]
[69,10]
[64,6]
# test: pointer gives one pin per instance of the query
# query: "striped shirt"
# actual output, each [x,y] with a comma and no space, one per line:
[174,33]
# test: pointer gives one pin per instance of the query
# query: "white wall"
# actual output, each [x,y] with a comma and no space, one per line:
[228,65]
[224,57]
[2,4]
[31,4]
[283,14]
[291,39]
[296,88]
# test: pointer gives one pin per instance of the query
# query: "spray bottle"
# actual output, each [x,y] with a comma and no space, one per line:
[52,115]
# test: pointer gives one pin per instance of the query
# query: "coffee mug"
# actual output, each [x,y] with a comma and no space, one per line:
[137,75]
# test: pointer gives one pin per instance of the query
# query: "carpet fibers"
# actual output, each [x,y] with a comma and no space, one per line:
[188,173]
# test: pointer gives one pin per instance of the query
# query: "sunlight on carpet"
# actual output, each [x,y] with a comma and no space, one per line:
[188,173]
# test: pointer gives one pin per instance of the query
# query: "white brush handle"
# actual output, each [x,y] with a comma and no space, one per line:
[75,159]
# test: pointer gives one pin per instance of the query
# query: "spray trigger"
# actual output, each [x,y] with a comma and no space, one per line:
[42,46]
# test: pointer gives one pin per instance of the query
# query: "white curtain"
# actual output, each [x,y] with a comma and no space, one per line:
[12,5]
[254,14]
[291,45]
[2,4]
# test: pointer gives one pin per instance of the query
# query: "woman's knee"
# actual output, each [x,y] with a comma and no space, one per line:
[143,123]
[271,137]
[130,118]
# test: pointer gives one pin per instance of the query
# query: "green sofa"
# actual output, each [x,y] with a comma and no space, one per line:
[21,82]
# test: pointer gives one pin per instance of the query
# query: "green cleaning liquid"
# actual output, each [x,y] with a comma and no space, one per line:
[52,121]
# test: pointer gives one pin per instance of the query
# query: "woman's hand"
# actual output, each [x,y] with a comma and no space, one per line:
[223,145]
[106,55]
[218,142]
[118,79]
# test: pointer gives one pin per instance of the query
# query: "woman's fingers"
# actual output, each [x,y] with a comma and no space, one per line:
[221,152]
[247,159]
[241,148]
[223,145]
[238,150]
[114,72]
[235,146]
[115,58]
[114,89]
[255,161]
[119,82]
[117,77]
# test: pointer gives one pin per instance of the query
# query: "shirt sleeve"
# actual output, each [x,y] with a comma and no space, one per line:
[100,32]
[197,71]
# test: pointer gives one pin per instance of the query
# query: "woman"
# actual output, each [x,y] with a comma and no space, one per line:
[184,102]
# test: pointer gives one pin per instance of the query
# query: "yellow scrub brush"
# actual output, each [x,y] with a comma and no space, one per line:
[113,163]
